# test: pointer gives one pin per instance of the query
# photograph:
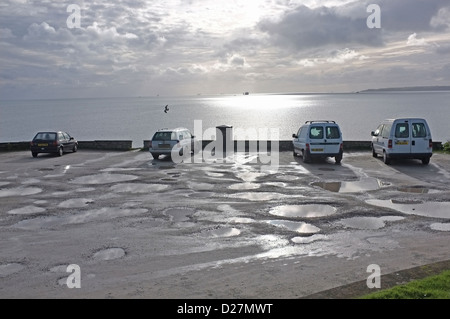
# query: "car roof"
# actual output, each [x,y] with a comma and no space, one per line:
[173,129]
[404,119]
[320,122]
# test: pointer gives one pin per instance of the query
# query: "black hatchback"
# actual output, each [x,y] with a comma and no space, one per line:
[53,142]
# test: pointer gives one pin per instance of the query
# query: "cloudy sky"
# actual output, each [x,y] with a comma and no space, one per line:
[179,47]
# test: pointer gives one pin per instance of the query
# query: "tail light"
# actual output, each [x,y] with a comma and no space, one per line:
[341,147]
[150,144]
[430,145]
[390,144]
[31,143]
[55,143]
[307,146]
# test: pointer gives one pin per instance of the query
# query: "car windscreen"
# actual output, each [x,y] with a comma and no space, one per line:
[45,136]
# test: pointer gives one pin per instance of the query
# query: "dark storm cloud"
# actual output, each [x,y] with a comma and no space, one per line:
[304,28]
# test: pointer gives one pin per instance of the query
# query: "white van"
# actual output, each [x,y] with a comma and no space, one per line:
[318,139]
[403,138]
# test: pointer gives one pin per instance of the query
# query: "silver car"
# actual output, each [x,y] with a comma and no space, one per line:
[179,141]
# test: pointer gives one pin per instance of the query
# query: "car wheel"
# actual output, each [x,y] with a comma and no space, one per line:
[386,159]
[294,153]
[34,154]
[155,156]
[426,161]
[374,154]
[338,158]
[306,156]
[60,151]
[75,148]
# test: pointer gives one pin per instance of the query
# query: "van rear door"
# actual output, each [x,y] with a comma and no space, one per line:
[332,139]
[402,138]
[420,137]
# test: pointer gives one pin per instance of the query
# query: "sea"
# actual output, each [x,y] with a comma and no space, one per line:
[251,117]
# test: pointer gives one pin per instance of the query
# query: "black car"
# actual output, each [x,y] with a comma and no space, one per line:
[53,142]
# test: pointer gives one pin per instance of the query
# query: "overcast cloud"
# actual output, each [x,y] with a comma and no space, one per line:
[175,47]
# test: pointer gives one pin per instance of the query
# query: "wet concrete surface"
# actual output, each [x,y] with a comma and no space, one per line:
[234,228]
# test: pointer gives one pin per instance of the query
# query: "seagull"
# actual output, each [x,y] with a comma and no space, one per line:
[166,108]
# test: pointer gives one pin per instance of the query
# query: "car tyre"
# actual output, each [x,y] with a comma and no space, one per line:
[374,154]
[386,158]
[338,158]
[60,151]
[155,155]
[34,154]
[75,148]
[426,161]
[294,153]
[306,156]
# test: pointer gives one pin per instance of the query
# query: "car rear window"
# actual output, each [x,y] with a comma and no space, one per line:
[45,136]
[164,136]
[332,132]
[419,130]
[316,132]
[401,130]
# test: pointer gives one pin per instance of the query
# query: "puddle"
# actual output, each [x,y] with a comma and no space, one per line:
[327,169]
[428,209]
[200,186]
[76,203]
[19,191]
[103,179]
[45,169]
[368,222]
[4,183]
[222,232]
[246,185]
[138,188]
[309,239]
[85,189]
[298,227]
[363,185]
[26,210]
[312,210]
[276,184]
[201,195]
[179,214]
[109,254]
[287,177]
[30,181]
[440,226]
[417,190]
[9,269]
[212,174]
[263,196]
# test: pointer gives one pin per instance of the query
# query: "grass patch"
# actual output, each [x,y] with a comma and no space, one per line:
[433,287]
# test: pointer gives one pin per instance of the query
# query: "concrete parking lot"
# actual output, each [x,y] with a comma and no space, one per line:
[243,227]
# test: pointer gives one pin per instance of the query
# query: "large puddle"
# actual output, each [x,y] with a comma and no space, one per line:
[179,214]
[428,209]
[312,210]
[299,227]
[440,226]
[363,185]
[258,196]
[368,222]
[222,232]
[245,186]
[26,210]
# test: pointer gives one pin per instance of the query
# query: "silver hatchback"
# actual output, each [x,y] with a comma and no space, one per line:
[179,141]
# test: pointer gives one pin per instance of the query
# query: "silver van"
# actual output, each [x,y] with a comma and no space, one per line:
[318,139]
[403,138]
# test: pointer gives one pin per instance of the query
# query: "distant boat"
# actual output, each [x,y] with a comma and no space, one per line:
[246,93]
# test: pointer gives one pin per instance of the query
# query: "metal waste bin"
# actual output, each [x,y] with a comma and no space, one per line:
[224,140]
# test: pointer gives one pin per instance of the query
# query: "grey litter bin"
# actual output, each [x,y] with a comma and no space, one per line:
[224,140]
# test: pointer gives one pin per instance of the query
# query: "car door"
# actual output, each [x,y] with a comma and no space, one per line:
[317,139]
[402,138]
[377,139]
[420,137]
[69,142]
[296,140]
[332,142]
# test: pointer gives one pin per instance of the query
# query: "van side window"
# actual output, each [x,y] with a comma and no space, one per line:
[316,132]
[386,131]
[419,130]
[379,130]
[401,130]
[332,132]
